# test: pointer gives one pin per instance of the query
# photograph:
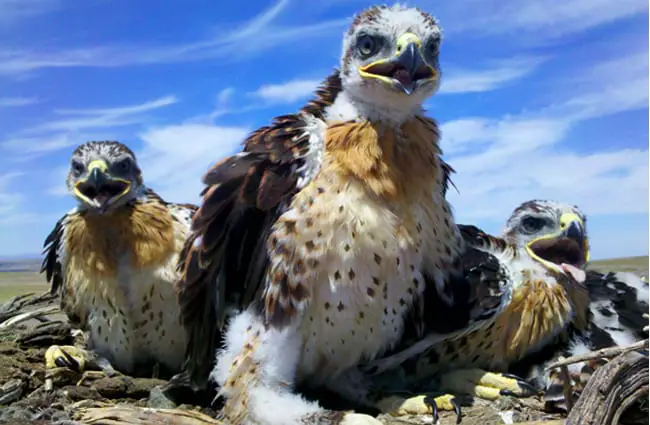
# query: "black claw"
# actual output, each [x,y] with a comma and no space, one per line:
[61,362]
[527,388]
[456,405]
[512,376]
[431,402]
[67,361]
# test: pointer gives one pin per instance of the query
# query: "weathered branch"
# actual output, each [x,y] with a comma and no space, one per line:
[15,305]
[567,388]
[605,352]
[611,390]
[28,315]
[124,415]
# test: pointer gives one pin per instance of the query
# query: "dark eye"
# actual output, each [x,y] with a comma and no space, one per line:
[433,47]
[77,168]
[122,166]
[532,224]
[368,45]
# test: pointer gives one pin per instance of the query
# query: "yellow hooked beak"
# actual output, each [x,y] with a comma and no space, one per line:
[569,245]
[406,70]
[98,188]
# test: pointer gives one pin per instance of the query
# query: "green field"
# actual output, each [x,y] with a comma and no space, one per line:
[630,264]
[16,283]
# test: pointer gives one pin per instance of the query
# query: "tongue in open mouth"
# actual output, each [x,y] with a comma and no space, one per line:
[403,76]
[578,274]
[564,252]
[103,194]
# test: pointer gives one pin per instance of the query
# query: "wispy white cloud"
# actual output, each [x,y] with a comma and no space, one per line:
[543,18]
[457,80]
[58,134]
[287,92]
[104,118]
[621,84]
[122,110]
[502,162]
[36,145]
[9,102]
[10,200]
[58,176]
[228,45]
[13,11]
[175,157]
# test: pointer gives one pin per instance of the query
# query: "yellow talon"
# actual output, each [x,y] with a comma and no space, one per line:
[485,385]
[419,405]
[66,356]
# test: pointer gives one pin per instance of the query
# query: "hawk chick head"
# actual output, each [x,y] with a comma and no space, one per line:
[390,57]
[552,232]
[103,175]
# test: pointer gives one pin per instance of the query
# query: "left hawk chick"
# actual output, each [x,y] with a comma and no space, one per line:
[114,260]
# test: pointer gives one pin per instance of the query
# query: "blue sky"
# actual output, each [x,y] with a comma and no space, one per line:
[539,99]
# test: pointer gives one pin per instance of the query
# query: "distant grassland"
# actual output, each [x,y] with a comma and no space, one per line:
[637,265]
[16,283]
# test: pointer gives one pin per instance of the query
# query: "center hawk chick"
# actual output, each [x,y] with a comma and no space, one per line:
[323,234]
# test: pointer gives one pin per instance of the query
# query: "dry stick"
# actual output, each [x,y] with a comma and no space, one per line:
[29,315]
[605,352]
[567,388]
[127,415]
[13,307]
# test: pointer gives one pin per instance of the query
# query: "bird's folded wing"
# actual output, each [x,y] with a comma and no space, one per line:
[53,259]
[225,258]
[478,285]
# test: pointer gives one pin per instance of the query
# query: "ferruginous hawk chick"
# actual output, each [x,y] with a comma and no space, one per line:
[323,234]
[618,301]
[115,257]
[545,244]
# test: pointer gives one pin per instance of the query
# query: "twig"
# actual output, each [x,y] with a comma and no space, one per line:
[127,415]
[605,352]
[29,315]
[567,388]
[14,306]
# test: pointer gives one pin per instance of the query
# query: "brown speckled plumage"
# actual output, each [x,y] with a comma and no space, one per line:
[115,272]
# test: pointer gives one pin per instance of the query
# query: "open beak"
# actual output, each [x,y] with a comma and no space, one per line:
[406,70]
[567,250]
[98,188]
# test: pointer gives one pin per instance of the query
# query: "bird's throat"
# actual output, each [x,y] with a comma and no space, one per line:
[396,164]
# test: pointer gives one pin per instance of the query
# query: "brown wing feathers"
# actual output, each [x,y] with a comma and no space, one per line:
[225,257]
[52,263]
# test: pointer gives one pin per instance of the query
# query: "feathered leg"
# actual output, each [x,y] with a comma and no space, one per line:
[255,372]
